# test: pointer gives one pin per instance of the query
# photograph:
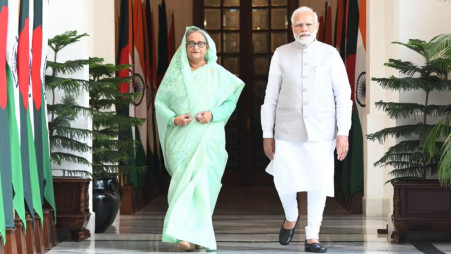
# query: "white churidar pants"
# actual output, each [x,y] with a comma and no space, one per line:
[316,201]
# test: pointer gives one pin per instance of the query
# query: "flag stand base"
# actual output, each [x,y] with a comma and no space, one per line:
[11,246]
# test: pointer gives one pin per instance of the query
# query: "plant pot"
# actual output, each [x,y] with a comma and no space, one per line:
[72,206]
[420,206]
[106,202]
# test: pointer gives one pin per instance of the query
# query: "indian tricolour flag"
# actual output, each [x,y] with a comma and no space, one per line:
[352,173]
[139,84]
[358,96]
[125,48]
[13,104]
[360,71]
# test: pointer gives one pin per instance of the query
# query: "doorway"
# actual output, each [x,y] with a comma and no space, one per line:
[246,33]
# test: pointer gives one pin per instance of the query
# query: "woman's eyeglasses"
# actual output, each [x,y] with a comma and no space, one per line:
[200,44]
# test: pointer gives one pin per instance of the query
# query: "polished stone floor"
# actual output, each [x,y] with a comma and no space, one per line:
[247,220]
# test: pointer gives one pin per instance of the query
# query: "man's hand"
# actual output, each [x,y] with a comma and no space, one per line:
[270,147]
[342,147]
[204,117]
[183,120]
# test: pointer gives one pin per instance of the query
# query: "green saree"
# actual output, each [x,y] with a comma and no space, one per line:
[195,154]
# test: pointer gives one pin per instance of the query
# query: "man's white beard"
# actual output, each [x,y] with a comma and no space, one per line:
[304,40]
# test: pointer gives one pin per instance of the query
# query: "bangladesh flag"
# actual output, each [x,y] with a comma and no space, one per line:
[36,88]
[48,177]
[29,164]
[6,195]
[13,114]
[41,134]
[23,76]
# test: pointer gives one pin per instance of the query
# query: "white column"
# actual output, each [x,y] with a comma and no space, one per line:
[102,39]
[102,30]
[382,27]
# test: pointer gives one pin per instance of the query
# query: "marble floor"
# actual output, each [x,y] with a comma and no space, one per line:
[247,220]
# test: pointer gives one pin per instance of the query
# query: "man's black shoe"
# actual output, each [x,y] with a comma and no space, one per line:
[286,235]
[315,247]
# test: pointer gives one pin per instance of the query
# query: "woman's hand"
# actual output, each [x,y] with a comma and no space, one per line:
[204,117]
[183,120]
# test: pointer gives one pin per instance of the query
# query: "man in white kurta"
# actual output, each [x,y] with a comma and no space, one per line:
[305,116]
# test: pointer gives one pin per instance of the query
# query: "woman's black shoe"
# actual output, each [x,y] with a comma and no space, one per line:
[315,247]
[286,235]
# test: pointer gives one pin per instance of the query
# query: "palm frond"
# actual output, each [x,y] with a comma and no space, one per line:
[396,110]
[444,170]
[74,133]
[442,85]
[404,67]
[60,41]
[406,131]
[439,67]
[68,67]
[59,157]
[405,84]
[441,46]
[69,85]
[438,110]
[441,129]
[416,45]
[391,157]
[66,142]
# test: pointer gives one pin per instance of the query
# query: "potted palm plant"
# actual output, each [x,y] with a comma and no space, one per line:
[412,167]
[443,128]
[66,140]
[112,152]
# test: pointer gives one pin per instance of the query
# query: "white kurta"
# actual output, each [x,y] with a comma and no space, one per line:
[299,166]
[307,103]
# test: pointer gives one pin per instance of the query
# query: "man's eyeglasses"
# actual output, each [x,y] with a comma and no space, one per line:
[200,44]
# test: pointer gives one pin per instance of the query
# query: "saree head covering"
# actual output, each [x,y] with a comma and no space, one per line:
[194,154]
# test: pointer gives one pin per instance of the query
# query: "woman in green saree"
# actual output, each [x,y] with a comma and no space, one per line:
[193,104]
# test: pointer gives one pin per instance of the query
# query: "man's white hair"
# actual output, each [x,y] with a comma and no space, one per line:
[301,10]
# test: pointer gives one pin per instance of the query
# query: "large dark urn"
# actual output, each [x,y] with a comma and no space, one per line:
[106,202]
